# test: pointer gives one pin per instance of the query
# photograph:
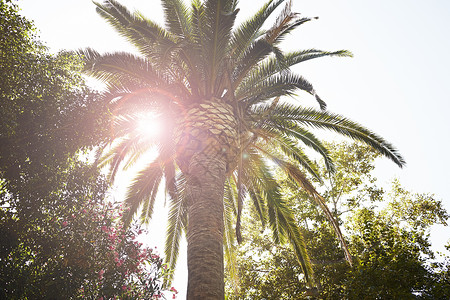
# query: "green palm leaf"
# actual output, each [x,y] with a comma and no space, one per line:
[285,130]
[177,222]
[280,84]
[141,32]
[244,35]
[218,21]
[230,197]
[326,120]
[297,177]
[178,20]
[256,52]
[271,65]
[142,193]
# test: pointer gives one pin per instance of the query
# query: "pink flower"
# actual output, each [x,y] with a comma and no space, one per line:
[64,224]
[124,287]
[100,274]
[112,236]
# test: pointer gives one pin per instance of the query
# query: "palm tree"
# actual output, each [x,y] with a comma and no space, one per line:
[217,87]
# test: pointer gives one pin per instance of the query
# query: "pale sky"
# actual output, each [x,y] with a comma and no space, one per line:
[397,83]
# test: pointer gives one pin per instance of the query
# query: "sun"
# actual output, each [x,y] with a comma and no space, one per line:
[149,125]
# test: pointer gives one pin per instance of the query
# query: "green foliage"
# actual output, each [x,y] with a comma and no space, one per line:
[389,242]
[74,247]
[47,112]
[391,261]
[265,270]
[352,183]
[16,36]
[418,211]
[60,238]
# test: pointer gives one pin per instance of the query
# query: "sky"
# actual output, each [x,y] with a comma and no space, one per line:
[397,84]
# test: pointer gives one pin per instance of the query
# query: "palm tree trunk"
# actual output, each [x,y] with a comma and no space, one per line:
[205,190]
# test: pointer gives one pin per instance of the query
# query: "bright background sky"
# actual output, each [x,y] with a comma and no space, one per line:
[397,84]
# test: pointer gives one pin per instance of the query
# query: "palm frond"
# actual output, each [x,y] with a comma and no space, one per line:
[177,222]
[289,149]
[255,53]
[296,176]
[287,128]
[177,18]
[116,155]
[334,122]
[228,241]
[284,227]
[293,58]
[218,20]
[244,35]
[271,65]
[115,67]
[196,52]
[298,243]
[253,179]
[258,49]
[285,23]
[265,192]
[280,84]
[125,72]
[270,191]
[141,32]
[142,192]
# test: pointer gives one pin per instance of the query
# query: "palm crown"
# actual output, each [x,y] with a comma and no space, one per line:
[217,88]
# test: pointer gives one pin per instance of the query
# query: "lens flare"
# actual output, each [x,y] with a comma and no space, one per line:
[149,125]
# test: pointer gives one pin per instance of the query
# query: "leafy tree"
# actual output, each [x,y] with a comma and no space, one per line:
[75,247]
[440,279]
[47,112]
[16,39]
[388,241]
[217,88]
[58,238]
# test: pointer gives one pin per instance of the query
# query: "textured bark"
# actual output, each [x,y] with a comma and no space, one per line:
[205,227]
[210,127]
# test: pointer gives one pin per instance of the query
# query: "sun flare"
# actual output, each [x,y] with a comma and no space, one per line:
[149,125]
